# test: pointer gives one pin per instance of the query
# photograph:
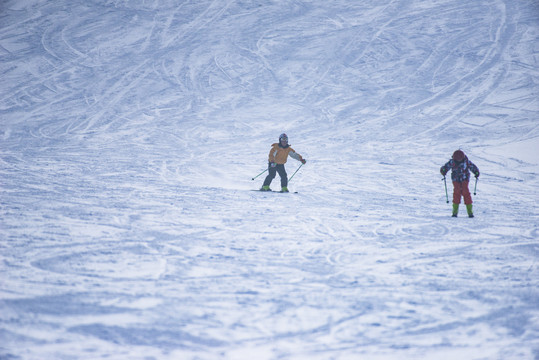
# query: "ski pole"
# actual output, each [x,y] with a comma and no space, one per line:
[295,172]
[259,174]
[446,196]
[475,188]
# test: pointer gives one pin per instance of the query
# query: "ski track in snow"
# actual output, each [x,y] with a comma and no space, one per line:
[129,135]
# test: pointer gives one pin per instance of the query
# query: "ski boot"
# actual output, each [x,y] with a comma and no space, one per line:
[469,210]
[284,189]
[265,188]
[455,210]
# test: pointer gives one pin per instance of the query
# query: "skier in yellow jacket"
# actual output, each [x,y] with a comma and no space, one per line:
[277,158]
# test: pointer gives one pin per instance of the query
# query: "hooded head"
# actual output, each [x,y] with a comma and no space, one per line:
[459,156]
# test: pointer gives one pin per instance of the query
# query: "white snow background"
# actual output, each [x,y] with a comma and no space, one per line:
[129,134]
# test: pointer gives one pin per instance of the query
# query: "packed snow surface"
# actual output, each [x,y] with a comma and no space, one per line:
[130,131]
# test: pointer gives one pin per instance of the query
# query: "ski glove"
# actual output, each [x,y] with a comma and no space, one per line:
[303,161]
[443,172]
[273,164]
[476,174]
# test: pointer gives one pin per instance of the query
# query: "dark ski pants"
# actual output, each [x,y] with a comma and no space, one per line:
[461,189]
[279,168]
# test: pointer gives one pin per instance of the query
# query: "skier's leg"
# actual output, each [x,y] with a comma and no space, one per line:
[457,193]
[467,198]
[283,175]
[466,193]
[271,175]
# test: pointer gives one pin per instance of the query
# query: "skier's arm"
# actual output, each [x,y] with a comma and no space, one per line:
[444,169]
[272,153]
[474,169]
[297,156]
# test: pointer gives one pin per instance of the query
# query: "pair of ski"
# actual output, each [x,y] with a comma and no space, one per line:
[273,191]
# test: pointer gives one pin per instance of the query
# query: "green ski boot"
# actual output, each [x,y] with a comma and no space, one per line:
[265,188]
[469,210]
[284,189]
[455,210]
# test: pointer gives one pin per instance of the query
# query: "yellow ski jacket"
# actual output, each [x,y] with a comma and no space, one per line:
[279,154]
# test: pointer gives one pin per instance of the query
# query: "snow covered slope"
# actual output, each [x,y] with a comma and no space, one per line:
[129,134]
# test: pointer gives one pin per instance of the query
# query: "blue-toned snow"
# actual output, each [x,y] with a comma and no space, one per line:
[129,134]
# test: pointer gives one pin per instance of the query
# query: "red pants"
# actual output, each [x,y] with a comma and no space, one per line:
[461,189]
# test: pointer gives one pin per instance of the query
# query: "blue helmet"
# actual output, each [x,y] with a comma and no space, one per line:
[283,136]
